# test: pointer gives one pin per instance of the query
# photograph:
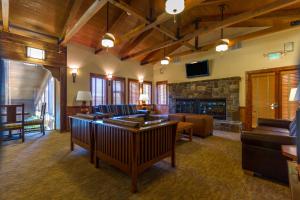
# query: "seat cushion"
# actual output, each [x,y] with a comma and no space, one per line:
[33,122]
[181,126]
[273,129]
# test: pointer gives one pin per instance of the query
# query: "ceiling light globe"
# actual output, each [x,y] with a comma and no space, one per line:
[165,61]
[223,46]
[174,7]
[108,40]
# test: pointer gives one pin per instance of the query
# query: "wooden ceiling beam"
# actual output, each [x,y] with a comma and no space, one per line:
[89,13]
[149,25]
[5,15]
[233,41]
[278,4]
[127,47]
[72,14]
[141,29]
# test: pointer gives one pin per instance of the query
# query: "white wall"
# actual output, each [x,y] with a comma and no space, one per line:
[84,58]
[237,62]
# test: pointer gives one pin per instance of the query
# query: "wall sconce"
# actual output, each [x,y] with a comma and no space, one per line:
[141,80]
[109,77]
[74,74]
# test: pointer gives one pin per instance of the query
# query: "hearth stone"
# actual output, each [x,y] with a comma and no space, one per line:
[227,88]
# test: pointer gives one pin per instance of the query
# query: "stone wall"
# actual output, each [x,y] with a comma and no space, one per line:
[217,88]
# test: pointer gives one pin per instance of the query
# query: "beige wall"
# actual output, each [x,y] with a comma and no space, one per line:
[84,58]
[237,62]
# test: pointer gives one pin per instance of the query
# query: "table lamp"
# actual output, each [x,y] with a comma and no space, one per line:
[295,96]
[84,96]
[143,99]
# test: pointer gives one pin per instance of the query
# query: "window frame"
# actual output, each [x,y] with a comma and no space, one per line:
[93,75]
[167,91]
[124,90]
[129,92]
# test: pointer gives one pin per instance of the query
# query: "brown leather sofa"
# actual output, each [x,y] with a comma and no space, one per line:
[202,124]
[261,148]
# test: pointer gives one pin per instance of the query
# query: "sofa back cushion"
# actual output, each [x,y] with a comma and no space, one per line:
[121,122]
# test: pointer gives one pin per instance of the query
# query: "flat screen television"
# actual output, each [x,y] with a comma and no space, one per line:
[197,69]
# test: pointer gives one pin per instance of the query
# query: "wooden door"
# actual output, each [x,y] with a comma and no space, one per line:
[288,79]
[264,98]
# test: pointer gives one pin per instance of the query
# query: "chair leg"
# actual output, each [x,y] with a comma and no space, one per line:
[9,133]
[23,135]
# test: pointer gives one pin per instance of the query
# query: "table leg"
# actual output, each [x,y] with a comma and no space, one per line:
[191,134]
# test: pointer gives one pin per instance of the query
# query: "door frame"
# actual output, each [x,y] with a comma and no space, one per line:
[249,104]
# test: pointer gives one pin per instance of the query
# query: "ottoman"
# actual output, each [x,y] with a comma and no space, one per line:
[202,124]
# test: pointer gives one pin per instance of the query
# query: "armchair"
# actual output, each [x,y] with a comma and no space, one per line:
[261,148]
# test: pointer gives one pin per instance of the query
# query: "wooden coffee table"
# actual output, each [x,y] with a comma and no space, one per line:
[185,127]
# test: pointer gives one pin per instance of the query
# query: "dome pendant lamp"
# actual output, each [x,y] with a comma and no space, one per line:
[224,43]
[174,7]
[166,59]
[108,40]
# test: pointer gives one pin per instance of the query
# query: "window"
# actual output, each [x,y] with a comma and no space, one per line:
[162,93]
[147,89]
[118,91]
[134,91]
[288,79]
[98,89]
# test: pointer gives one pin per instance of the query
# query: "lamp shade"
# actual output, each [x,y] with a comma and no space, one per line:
[297,94]
[174,7]
[292,94]
[143,97]
[84,96]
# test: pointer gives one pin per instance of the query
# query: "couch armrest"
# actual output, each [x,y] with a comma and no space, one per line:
[267,139]
[279,123]
[143,111]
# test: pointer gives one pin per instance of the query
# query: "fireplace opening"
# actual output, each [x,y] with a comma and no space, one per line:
[213,107]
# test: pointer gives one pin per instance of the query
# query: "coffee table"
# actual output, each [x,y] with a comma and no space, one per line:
[185,127]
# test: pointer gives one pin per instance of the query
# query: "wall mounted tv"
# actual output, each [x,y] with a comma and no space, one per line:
[197,69]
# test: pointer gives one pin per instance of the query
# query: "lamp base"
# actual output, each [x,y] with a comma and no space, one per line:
[84,109]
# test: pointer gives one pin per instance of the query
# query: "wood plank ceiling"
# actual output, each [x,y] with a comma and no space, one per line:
[142,28]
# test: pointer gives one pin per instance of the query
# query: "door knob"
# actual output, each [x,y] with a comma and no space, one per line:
[274,106]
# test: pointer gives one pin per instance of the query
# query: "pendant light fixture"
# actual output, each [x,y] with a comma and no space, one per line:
[223,44]
[174,7]
[108,40]
[166,59]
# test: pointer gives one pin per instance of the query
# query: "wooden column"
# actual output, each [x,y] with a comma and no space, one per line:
[63,99]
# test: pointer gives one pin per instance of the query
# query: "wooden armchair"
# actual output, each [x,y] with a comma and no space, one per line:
[35,122]
[12,117]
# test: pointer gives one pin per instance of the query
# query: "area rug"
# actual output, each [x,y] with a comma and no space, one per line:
[44,168]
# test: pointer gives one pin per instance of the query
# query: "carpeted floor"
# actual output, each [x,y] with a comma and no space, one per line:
[44,168]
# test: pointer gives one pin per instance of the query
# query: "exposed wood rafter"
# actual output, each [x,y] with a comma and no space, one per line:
[227,22]
[74,10]
[233,41]
[91,11]
[5,15]
[147,24]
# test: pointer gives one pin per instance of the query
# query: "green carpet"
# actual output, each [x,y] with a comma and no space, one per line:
[44,168]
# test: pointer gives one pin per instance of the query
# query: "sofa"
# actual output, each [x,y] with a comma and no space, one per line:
[117,111]
[261,148]
[202,124]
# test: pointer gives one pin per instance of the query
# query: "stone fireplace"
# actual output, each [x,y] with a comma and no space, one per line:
[217,97]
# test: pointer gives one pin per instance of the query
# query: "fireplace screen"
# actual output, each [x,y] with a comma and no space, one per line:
[213,107]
